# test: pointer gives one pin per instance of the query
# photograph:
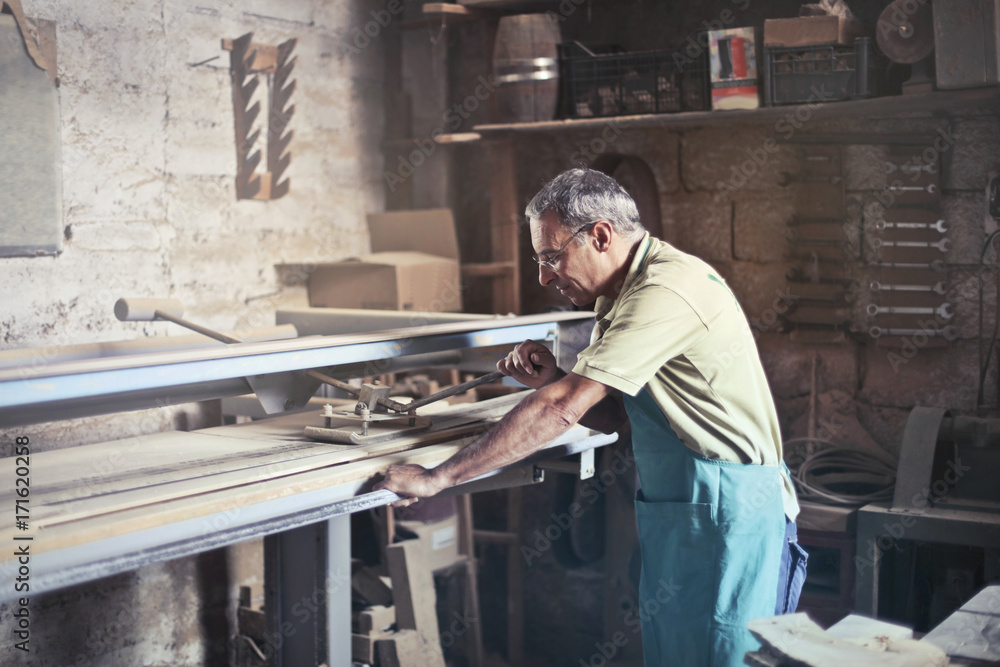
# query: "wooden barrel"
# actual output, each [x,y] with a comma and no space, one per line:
[526,68]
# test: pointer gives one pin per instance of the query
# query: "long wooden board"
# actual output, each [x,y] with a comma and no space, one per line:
[190,475]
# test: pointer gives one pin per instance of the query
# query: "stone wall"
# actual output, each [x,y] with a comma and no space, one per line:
[150,210]
[743,231]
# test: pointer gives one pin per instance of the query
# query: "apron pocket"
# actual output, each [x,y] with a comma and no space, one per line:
[677,591]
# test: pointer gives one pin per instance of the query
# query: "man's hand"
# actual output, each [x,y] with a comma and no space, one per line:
[531,364]
[413,482]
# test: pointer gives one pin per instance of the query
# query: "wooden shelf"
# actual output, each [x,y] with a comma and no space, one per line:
[441,139]
[939,102]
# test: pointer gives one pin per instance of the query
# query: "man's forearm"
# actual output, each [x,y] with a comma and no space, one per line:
[536,421]
[530,426]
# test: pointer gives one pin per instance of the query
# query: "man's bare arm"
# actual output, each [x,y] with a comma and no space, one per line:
[536,421]
[532,364]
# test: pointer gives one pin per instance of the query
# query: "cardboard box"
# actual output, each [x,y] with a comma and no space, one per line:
[413,266]
[812,31]
[733,68]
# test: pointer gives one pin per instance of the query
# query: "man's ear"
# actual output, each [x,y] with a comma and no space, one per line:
[603,234]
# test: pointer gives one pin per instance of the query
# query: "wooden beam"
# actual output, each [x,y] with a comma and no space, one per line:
[415,600]
[503,228]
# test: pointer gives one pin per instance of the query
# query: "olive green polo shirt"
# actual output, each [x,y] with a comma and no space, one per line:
[677,330]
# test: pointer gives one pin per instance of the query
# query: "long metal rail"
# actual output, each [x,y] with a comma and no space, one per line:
[46,392]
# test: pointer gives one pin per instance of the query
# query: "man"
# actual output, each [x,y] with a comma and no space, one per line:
[716,508]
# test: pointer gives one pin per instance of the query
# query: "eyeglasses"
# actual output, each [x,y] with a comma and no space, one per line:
[550,263]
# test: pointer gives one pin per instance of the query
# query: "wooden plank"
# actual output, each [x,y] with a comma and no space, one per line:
[220,508]
[414,597]
[149,489]
[805,643]
[376,618]
[466,547]
[503,228]
[207,451]
[406,648]
[854,626]
[940,102]
[458,138]
[449,8]
[515,580]
[367,584]
[229,500]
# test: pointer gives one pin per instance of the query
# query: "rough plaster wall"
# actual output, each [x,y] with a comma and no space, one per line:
[150,210]
[149,165]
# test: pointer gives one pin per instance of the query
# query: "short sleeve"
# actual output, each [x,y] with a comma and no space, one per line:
[651,326]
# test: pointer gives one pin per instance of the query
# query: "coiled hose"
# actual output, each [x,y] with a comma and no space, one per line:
[843,475]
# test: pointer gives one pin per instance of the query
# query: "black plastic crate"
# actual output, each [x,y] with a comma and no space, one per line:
[617,83]
[813,74]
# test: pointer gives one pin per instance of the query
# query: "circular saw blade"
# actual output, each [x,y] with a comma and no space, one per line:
[906,31]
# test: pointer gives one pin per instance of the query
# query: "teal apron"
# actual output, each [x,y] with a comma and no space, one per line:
[711,535]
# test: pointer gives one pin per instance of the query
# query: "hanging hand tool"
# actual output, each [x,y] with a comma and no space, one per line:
[908,168]
[937,288]
[943,245]
[937,265]
[939,226]
[948,333]
[943,311]
[930,188]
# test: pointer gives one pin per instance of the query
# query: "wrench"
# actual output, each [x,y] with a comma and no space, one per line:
[940,225]
[936,265]
[929,189]
[948,333]
[943,311]
[941,245]
[937,288]
[908,168]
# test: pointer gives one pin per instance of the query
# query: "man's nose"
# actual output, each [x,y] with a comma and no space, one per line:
[545,275]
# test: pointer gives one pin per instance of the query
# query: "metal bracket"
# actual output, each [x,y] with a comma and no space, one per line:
[523,476]
[581,464]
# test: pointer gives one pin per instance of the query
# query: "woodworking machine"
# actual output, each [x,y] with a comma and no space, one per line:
[105,508]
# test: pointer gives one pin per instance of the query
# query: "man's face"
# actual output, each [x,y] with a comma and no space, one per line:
[574,270]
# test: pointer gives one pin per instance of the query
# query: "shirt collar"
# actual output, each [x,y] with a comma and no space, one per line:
[605,307]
